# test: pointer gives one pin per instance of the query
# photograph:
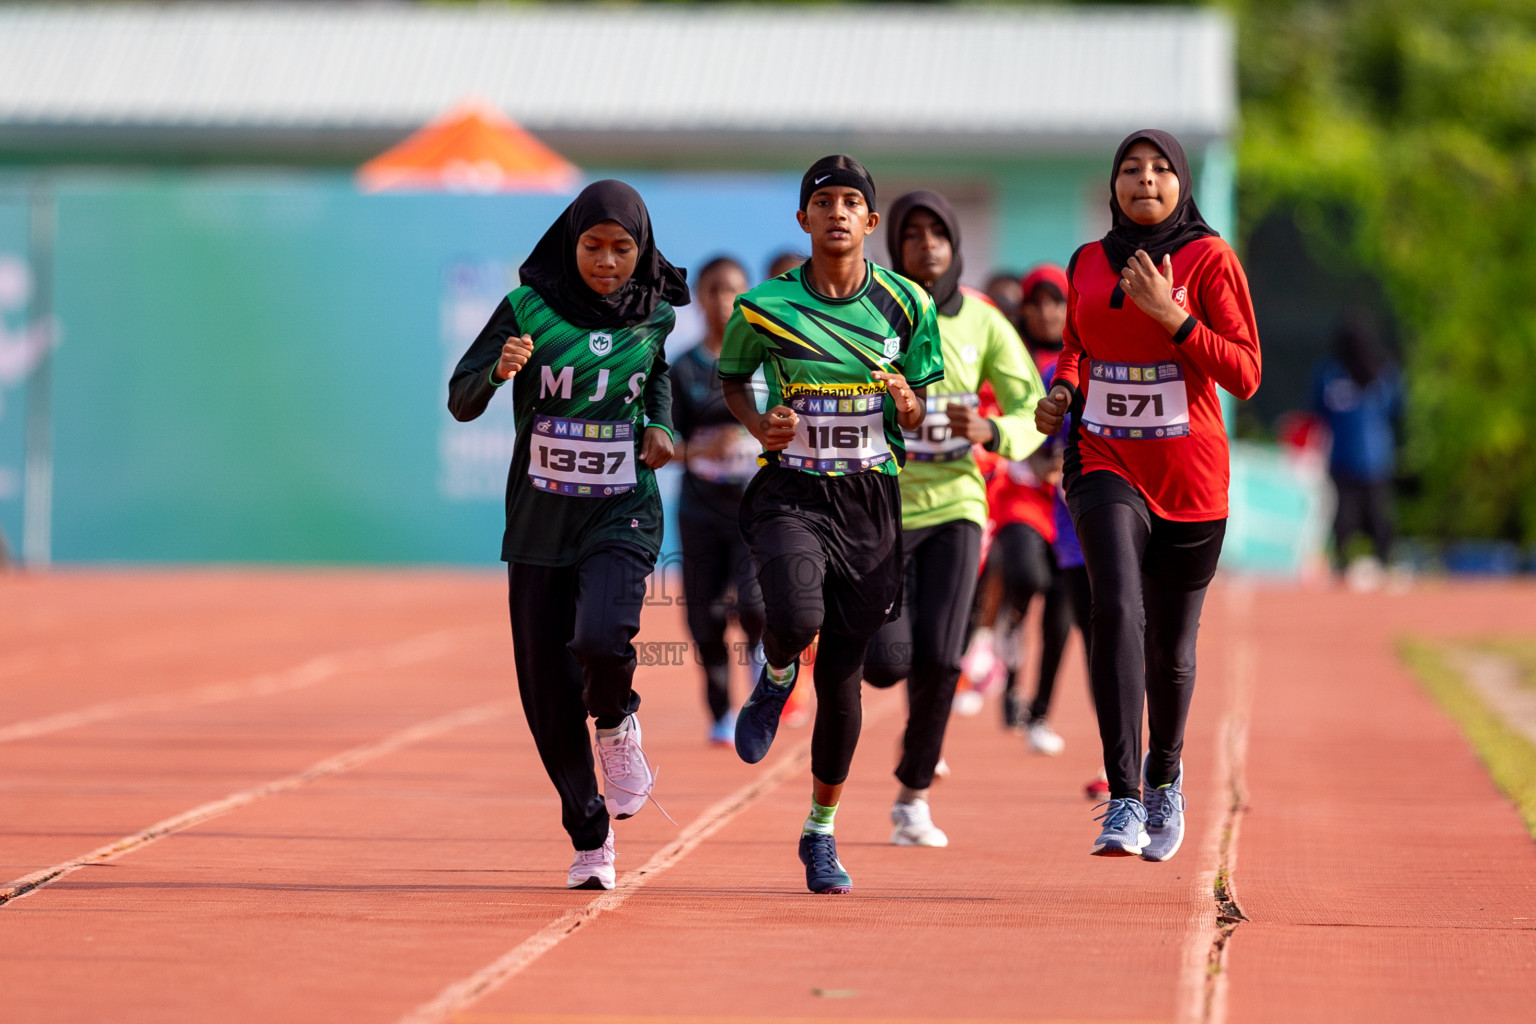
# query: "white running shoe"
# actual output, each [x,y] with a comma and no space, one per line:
[593,869]
[941,770]
[1043,739]
[979,659]
[627,776]
[968,703]
[914,826]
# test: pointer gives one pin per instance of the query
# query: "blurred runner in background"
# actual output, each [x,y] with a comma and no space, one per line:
[1003,289]
[719,457]
[783,263]
[943,498]
[1359,395]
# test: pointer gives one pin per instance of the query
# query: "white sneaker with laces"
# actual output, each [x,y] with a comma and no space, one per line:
[914,826]
[627,776]
[1044,740]
[593,869]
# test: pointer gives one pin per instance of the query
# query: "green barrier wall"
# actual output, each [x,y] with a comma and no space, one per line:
[254,368]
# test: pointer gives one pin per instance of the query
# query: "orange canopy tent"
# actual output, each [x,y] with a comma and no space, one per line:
[472,148]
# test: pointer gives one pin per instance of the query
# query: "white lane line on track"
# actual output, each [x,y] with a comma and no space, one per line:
[1201,997]
[334,765]
[460,995]
[308,673]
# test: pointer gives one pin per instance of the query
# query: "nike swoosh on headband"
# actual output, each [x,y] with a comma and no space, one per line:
[823,178]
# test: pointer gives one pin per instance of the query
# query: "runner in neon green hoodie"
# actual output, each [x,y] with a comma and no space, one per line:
[943,497]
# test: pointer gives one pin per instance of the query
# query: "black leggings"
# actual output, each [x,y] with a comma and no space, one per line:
[1023,559]
[1148,577]
[828,551]
[716,561]
[571,632]
[924,643]
[1066,605]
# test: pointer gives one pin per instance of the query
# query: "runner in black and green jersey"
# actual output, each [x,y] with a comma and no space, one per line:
[719,456]
[848,349]
[581,341]
[943,498]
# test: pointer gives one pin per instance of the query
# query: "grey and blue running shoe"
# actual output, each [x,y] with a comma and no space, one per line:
[1165,816]
[824,873]
[758,720]
[1124,834]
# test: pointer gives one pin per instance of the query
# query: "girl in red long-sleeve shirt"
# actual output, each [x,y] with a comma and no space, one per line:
[1158,315]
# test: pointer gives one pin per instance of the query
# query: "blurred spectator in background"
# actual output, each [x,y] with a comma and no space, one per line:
[783,263]
[1043,313]
[1357,392]
[1004,291]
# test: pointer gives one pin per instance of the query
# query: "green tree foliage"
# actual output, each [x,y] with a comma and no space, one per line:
[1403,135]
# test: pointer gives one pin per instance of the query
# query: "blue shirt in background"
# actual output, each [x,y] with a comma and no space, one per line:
[1363,421]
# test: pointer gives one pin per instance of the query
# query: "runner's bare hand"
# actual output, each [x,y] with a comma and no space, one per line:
[1051,409]
[514,356]
[656,447]
[1151,288]
[909,411]
[777,428]
[966,422]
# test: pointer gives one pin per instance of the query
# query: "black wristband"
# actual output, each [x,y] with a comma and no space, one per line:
[1185,329]
[997,437]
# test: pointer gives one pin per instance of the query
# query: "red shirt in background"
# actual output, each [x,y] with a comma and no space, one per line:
[1182,469]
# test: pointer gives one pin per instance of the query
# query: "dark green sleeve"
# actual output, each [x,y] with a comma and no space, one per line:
[470,388]
[658,395]
[923,363]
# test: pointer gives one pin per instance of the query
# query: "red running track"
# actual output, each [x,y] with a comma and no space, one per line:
[255,796]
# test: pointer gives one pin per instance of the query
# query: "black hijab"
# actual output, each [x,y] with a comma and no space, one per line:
[946,290]
[1176,230]
[551,270]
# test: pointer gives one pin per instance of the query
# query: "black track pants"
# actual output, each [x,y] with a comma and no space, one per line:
[1364,505]
[1066,605]
[923,644]
[1023,559]
[716,561]
[1148,576]
[571,632]
[828,551]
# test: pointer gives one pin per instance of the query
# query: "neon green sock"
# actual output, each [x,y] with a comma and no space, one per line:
[820,819]
[781,676]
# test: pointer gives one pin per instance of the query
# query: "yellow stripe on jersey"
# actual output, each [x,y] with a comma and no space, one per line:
[901,300]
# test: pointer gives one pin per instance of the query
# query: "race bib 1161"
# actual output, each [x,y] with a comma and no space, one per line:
[837,433]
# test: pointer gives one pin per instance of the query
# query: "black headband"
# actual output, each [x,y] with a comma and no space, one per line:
[819,178]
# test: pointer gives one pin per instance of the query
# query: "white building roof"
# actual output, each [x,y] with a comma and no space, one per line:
[927,77]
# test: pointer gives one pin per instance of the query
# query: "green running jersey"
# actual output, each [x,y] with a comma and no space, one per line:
[818,355]
[941,482]
[581,406]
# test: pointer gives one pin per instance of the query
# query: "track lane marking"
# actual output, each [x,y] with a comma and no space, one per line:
[308,673]
[1201,996]
[333,765]
[462,994]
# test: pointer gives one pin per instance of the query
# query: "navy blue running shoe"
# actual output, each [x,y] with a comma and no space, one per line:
[758,720]
[824,873]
